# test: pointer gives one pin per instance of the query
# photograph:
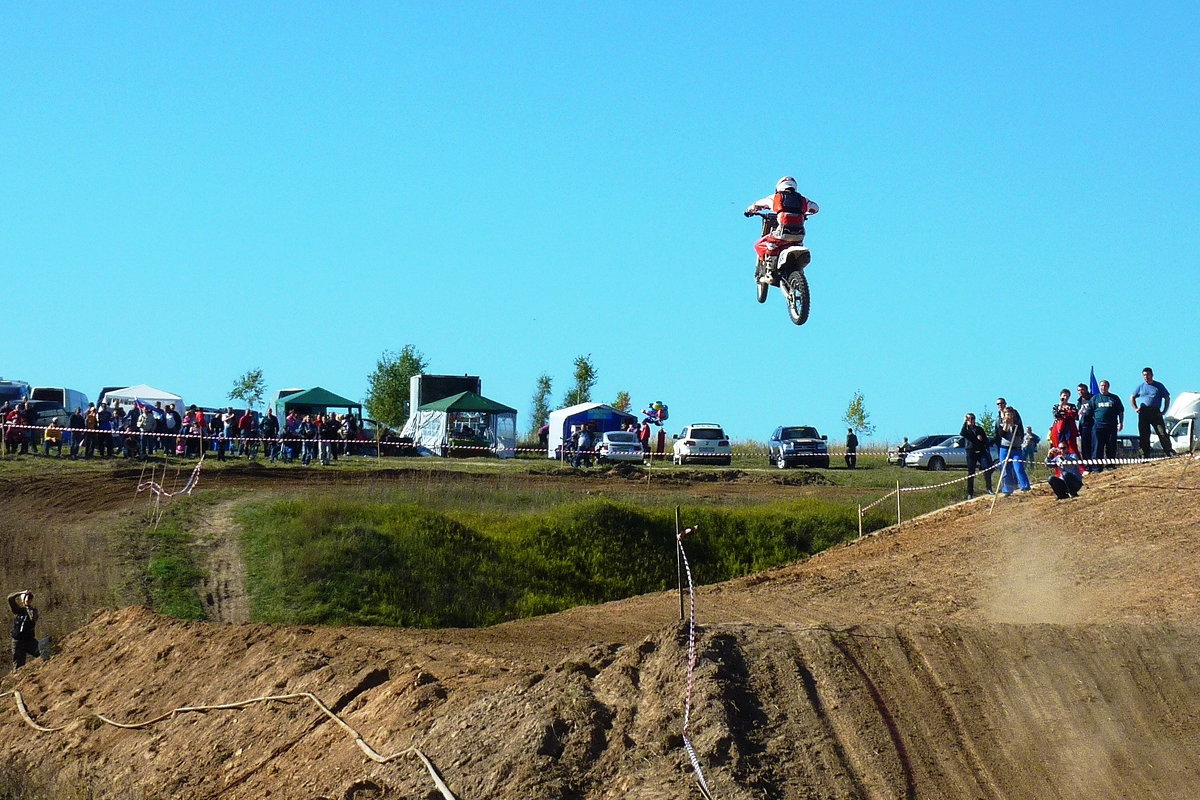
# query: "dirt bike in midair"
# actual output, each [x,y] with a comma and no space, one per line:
[782,258]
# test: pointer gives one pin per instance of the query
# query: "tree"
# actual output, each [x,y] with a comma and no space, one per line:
[249,388]
[857,416]
[541,403]
[622,403]
[987,421]
[387,392]
[585,379]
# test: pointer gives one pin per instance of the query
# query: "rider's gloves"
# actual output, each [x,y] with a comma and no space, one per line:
[749,212]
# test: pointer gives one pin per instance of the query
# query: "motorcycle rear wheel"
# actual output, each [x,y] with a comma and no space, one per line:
[795,289]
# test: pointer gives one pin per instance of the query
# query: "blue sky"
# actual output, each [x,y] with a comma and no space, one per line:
[1008,197]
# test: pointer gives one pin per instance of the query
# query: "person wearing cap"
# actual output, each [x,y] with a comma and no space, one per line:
[24,629]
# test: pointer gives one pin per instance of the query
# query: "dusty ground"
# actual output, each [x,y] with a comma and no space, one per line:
[1040,649]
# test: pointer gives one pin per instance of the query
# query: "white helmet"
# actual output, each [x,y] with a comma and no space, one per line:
[786,182]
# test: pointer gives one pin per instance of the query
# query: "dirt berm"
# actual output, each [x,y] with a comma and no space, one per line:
[1036,650]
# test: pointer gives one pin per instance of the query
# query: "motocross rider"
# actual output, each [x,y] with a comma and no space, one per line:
[786,199]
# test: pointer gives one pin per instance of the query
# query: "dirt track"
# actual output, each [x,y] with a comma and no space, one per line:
[1043,650]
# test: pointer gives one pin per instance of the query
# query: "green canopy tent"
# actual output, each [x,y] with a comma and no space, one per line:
[315,401]
[466,423]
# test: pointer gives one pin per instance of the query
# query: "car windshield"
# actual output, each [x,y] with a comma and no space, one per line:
[706,433]
[800,433]
[621,437]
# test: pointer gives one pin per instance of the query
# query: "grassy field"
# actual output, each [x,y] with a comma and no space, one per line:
[464,542]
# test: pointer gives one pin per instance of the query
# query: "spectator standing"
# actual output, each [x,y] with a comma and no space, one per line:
[247,434]
[104,437]
[307,433]
[147,424]
[28,434]
[1108,417]
[1029,446]
[1009,435]
[76,425]
[1150,399]
[268,429]
[543,435]
[583,448]
[327,429]
[644,438]
[1086,422]
[24,628]
[851,449]
[1065,431]
[979,456]
[171,423]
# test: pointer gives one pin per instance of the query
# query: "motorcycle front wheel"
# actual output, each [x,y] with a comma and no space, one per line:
[762,287]
[795,289]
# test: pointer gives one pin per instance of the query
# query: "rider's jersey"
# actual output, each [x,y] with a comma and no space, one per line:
[791,202]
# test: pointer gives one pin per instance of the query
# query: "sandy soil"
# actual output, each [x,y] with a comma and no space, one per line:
[1037,649]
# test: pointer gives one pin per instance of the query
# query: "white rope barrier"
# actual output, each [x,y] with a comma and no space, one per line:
[367,749]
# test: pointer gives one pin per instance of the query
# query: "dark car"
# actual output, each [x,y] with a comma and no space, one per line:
[46,410]
[894,455]
[798,445]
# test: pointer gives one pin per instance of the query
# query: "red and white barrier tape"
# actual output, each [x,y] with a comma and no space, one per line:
[691,665]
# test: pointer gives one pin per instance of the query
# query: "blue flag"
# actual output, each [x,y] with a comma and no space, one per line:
[1092,385]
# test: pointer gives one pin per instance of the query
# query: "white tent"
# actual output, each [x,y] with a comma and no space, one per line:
[599,416]
[147,394]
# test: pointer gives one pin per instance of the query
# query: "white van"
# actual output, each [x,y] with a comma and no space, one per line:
[70,399]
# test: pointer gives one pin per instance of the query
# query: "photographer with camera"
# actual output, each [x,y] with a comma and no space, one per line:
[1064,434]
[24,629]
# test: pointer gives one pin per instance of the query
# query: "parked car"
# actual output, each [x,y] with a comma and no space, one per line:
[618,446]
[894,455]
[1129,445]
[704,441]
[949,453]
[798,445]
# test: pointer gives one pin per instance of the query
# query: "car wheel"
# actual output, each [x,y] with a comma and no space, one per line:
[726,461]
[937,464]
[781,462]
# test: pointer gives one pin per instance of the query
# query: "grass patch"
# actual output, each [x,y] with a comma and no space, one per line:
[164,574]
[341,560]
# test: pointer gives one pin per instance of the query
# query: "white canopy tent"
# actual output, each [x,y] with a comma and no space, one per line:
[147,394]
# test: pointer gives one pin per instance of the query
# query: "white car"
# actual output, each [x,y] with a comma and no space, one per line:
[950,453]
[618,446]
[704,441]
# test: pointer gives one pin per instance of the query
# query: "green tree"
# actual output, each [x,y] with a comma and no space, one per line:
[387,387]
[249,388]
[585,379]
[987,421]
[857,416]
[622,403]
[541,403]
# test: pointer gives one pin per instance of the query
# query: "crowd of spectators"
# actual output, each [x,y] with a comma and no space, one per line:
[145,431]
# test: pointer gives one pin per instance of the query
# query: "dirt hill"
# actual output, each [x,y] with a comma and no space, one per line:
[1040,649]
